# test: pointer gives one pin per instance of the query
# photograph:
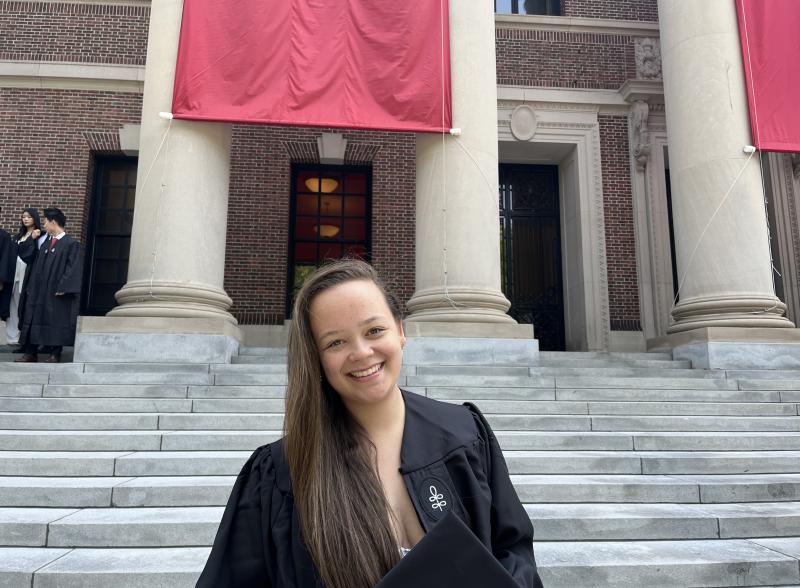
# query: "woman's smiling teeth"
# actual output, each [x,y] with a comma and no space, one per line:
[367,372]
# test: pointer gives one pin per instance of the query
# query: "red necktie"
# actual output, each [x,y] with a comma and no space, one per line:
[53,242]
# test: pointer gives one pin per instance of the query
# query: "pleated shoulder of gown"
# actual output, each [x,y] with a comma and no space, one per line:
[259,506]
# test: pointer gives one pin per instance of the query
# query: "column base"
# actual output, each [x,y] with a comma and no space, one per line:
[459,305]
[729,311]
[155,340]
[142,298]
[733,347]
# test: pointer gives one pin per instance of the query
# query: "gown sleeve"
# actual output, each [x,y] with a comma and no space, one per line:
[512,532]
[240,555]
[70,282]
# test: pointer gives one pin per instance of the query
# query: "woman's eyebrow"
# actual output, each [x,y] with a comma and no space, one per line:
[360,324]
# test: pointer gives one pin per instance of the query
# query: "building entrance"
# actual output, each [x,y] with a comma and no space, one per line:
[530,233]
[109,234]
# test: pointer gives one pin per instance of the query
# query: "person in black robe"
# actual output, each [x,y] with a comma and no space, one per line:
[448,464]
[52,296]
[8,266]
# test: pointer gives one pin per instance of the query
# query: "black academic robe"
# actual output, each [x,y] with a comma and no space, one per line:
[451,463]
[49,319]
[8,266]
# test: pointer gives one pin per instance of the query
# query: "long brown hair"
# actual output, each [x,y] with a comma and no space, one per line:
[343,512]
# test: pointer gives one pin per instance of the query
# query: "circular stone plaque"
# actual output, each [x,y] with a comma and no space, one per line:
[523,123]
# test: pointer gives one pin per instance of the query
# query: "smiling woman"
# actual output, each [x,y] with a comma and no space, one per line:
[365,470]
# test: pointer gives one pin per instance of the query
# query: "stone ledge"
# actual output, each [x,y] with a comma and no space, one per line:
[156,340]
[734,347]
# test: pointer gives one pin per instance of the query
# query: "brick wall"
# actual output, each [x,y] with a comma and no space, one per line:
[563,60]
[623,290]
[258,212]
[53,31]
[641,10]
[47,138]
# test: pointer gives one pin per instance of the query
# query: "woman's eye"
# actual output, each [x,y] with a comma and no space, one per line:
[334,343]
[375,330]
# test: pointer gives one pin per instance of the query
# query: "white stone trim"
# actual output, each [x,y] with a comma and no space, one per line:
[572,24]
[651,229]
[72,76]
[586,306]
[600,101]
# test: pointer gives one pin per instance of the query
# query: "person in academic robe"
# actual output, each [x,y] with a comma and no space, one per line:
[365,470]
[8,264]
[29,222]
[52,295]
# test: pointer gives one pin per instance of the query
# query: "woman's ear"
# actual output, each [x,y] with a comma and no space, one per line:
[401,332]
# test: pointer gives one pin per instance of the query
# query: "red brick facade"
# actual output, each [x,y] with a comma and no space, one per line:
[640,10]
[52,31]
[623,289]
[48,138]
[261,158]
[564,60]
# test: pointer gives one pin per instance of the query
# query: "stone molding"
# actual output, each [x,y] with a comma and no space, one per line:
[72,76]
[575,124]
[729,311]
[468,305]
[162,298]
[570,24]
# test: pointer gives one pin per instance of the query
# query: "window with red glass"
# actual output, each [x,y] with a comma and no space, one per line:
[330,219]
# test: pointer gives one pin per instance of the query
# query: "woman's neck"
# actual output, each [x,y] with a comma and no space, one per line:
[379,420]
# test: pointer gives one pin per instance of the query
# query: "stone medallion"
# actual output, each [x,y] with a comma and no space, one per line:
[523,123]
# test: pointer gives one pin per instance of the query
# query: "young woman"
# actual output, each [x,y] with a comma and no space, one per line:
[29,222]
[364,470]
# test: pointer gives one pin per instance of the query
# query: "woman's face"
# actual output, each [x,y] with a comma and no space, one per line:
[27,220]
[359,341]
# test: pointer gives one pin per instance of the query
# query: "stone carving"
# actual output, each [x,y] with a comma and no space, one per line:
[640,136]
[523,123]
[796,165]
[648,59]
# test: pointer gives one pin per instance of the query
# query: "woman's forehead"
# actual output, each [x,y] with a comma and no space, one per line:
[347,305]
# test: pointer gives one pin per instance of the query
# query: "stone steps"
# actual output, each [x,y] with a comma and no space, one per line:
[519,407]
[634,469]
[145,440]
[195,526]
[176,421]
[213,463]
[186,490]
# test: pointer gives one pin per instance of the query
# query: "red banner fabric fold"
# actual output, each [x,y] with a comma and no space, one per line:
[367,64]
[770,36]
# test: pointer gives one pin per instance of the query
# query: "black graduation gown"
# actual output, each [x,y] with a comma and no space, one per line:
[451,463]
[49,319]
[8,267]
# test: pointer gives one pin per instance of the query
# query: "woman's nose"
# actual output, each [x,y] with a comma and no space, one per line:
[361,348]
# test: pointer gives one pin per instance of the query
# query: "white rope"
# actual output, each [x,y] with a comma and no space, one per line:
[444,164]
[708,224]
[154,253]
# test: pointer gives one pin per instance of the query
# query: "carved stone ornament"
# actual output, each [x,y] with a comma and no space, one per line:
[523,123]
[796,165]
[640,136]
[648,59]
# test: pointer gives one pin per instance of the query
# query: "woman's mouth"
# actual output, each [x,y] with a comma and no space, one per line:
[365,373]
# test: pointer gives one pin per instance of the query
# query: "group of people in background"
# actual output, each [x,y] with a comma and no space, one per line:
[40,284]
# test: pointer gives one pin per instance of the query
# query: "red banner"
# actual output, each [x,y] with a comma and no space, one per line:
[371,64]
[770,35]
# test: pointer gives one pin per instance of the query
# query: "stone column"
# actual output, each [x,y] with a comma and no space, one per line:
[723,259]
[458,227]
[177,256]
